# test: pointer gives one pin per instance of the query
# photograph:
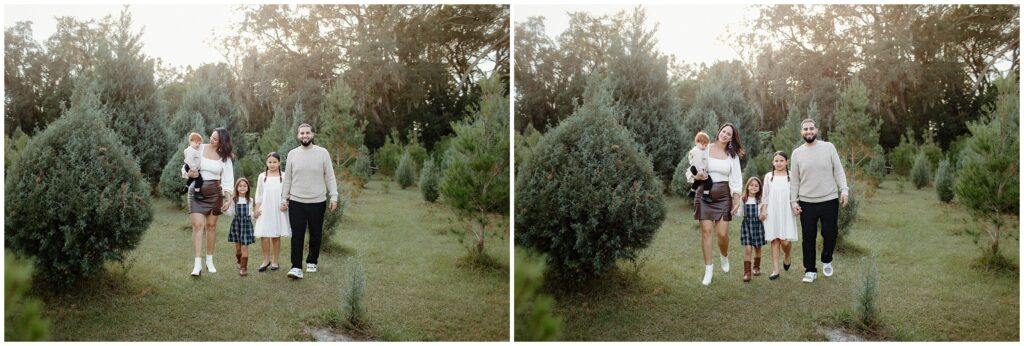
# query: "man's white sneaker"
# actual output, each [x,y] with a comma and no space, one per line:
[295,273]
[725,264]
[311,267]
[809,276]
[827,270]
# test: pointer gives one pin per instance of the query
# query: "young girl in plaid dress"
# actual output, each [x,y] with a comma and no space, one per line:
[752,230]
[241,232]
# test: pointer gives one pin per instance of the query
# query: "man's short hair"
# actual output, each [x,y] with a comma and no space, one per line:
[808,120]
[306,125]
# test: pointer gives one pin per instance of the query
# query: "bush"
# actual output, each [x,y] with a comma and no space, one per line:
[332,222]
[679,185]
[360,168]
[23,315]
[875,169]
[919,173]
[405,176]
[428,181]
[847,216]
[535,318]
[902,156]
[172,185]
[944,181]
[865,295]
[352,305]
[75,199]
[588,197]
[416,151]
[387,156]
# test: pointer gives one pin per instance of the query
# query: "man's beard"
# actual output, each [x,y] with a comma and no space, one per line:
[810,140]
[306,142]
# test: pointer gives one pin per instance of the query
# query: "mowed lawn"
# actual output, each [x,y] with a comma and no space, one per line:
[927,289]
[414,288]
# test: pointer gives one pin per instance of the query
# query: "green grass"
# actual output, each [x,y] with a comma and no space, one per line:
[927,289]
[414,289]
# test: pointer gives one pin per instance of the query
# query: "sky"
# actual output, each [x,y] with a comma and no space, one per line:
[691,32]
[179,35]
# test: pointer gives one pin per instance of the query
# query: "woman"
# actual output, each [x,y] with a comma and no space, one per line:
[724,169]
[215,166]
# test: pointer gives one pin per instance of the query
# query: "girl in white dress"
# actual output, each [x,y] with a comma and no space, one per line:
[271,222]
[779,221]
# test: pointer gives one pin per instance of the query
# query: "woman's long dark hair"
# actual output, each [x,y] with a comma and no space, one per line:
[225,149]
[734,148]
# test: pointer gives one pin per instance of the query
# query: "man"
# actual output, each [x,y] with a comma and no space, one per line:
[308,179]
[818,186]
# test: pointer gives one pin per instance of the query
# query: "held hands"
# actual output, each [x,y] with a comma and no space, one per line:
[763,216]
[258,212]
[226,204]
[284,206]
[796,210]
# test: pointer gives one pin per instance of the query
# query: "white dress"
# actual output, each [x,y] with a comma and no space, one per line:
[781,224]
[272,221]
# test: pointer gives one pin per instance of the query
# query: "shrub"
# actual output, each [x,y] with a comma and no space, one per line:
[902,156]
[587,197]
[919,173]
[332,222]
[23,315]
[847,216]
[865,295]
[428,181]
[405,176]
[679,185]
[352,305]
[535,318]
[388,155]
[944,181]
[416,150]
[75,199]
[359,170]
[875,169]
[172,185]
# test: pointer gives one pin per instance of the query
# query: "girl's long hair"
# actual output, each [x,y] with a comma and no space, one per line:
[266,172]
[784,156]
[746,192]
[248,190]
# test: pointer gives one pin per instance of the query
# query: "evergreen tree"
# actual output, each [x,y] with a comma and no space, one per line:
[340,131]
[988,183]
[75,198]
[428,181]
[360,168]
[123,80]
[291,134]
[856,132]
[405,175]
[641,89]
[944,181]
[475,181]
[587,197]
[919,174]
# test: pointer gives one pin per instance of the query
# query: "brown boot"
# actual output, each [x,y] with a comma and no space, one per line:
[244,266]
[746,271]
[757,266]
[238,257]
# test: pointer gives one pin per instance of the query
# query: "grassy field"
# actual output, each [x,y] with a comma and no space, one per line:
[927,289]
[414,289]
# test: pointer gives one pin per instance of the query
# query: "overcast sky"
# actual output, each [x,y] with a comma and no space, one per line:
[691,32]
[177,34]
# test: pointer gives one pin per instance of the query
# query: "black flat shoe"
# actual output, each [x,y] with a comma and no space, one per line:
[786,266]
[773,276]
[275,268]
[264,267]
[706,198]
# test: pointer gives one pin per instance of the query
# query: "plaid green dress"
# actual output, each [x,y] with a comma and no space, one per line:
[241,230]
[751,230]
